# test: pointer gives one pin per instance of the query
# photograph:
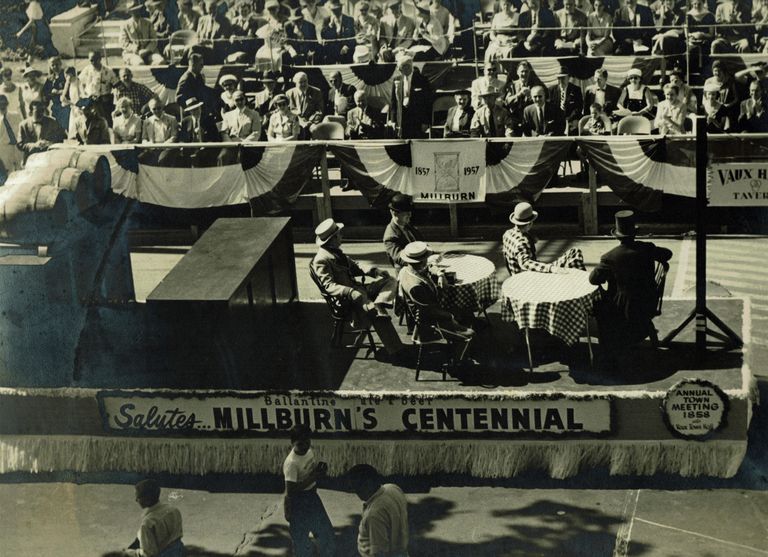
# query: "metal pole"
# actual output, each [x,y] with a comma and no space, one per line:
[701,236]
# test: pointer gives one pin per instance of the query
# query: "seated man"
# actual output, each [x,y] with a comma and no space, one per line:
[519,246]
[336,272]
[753,117]
[92,129]
[422,296]
[459,118]
[333,32]
[39,131]
[542,118]
[138,39]
[340,95]
[306,103]
[241,124]
[159,128]
[363,122]
[625,313]
[491,120]
[399,232]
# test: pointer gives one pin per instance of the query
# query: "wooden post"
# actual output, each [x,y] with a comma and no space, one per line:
[325,211]
[589,204]
[453,212]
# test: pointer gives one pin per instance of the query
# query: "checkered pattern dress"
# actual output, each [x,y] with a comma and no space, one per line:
[520,254]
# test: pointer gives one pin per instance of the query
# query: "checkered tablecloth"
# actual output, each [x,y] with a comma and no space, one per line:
[476,286]
[560,304]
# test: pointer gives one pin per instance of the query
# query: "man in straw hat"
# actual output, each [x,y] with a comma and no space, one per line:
[519,246]
[491,120]
[138,38]
[421,293]
[625,313]
[336,271]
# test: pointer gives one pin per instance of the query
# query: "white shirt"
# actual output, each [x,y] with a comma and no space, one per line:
[96,83]
[160,527]
[297,468]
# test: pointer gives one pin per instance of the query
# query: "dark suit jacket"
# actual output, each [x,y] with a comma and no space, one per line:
[207,130]
[546,33]
[312,103]
[94,132]
[574,104]
[630,301]
[751,122]
[418,113]
[611,98]
[395,240]
[577,32]
[332,50]
[553,124]
[50,131]
[191,85]
[305,32]
[643,18]
[464,122]
[347,91]
[336,272]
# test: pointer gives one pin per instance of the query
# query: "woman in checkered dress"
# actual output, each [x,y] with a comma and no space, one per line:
[520,247]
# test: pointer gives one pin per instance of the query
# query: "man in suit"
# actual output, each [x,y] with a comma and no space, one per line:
[138,38]
[159,128]
[340,96]
[538,29]
[421,293]
[600,92]
[363,122]
[414,92]
[197,127]
[302,39]
[92,129]
[192,84]
[638,40]
[459,118]
[567,97]
[38,132]
[491,120]
[399,232]
[241,124]
[306,102]
[212,27]
[542,118]
[335,28]
[753,116]
[396,30]
[626,311]
[336,272]
[572,23]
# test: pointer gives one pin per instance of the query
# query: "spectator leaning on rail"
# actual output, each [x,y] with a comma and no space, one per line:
[138,39]
[160,531]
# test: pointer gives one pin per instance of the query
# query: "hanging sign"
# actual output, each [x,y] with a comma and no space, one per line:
[448,171]
[738,184]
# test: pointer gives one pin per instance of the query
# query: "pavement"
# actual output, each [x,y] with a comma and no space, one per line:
[592,514]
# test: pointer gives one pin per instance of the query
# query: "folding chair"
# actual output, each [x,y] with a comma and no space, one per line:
[341,313]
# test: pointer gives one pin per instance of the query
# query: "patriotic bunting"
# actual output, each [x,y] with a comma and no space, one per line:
[581,68]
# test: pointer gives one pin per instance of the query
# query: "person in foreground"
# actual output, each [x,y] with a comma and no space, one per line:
[160,531]
[625,313]
[383,530]
[304,510]
[421,293]
[400,231]
[519,246]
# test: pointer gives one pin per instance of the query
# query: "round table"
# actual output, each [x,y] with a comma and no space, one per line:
[559,304]
[476,287]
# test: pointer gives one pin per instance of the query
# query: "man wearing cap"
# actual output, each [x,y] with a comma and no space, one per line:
[602,93]
[138,93]
[336,272]
[573,33]
[567,97]
[519,246]
[412,92]
[363,122]
[227,82]
[306,103]
[396,29]
[92,129]
[491,120]
[96,81]
[39,131]
[338,35]
[301,37]
[138,39]
[626,310]
[459,118]
[422,295]
[263,99]
[340,95]
[399,232]
[10,157]
[195,126]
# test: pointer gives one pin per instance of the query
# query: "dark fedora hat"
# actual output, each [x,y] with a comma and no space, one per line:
[401,202]
[625,225]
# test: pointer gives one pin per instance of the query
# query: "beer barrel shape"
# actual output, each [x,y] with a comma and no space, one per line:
[80,183]
[35,213]
[95,163]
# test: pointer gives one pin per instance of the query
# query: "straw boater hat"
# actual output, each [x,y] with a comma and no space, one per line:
[271,4]
[523,214]
[625,225]
[327,230]
[227,78]
[191,104]
[134,6]
[401,202]
[361,55]
[280,99]
[31,72]
[634,72]
[416,252]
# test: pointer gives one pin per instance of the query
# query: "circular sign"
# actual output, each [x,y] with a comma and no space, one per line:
[695,408]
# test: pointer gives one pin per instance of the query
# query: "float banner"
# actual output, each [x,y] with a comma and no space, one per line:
[738,184]
[448,171]
[270,414]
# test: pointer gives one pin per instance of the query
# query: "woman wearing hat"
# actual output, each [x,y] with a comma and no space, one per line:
[283,124]
[519,246]
[421,293]
[32,90]
[718,119]
[636,97]
[399,232]
[625,312]
[229,83]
